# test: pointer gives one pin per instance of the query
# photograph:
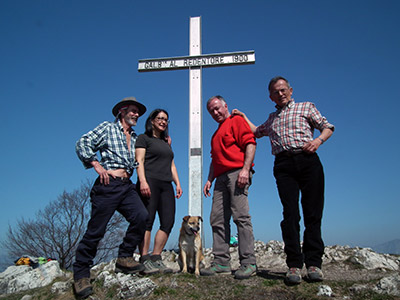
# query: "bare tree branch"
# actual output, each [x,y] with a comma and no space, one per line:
[58,228]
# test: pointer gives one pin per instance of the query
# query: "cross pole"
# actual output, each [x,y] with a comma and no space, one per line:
[195,62]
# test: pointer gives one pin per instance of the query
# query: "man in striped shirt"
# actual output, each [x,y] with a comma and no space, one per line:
[112,191]
[297,168]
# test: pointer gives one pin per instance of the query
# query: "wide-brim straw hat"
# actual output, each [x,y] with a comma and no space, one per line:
[129,101]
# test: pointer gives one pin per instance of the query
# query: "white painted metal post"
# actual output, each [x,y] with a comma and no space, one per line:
[195,124]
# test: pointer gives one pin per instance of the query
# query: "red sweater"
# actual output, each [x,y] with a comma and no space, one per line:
[228,144]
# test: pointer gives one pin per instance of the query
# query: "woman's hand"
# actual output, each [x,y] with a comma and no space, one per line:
[145,189]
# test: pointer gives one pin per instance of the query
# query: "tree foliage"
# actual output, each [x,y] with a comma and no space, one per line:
[58,228]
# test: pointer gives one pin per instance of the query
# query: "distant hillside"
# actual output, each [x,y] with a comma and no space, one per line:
[391,247]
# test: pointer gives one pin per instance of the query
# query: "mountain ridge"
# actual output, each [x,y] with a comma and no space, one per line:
[390,247]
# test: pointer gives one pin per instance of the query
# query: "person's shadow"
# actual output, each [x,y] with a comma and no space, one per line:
[270,275]
[267,274]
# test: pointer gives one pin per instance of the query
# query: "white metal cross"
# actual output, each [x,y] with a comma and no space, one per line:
[195,62]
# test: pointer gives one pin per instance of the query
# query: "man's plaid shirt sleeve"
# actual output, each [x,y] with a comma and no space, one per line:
[90,143]
[317,120]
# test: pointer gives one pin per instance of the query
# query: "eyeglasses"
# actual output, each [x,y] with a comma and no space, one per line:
[283,91]
[158,119]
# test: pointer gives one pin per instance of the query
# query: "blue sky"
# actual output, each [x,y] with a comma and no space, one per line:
[64,64]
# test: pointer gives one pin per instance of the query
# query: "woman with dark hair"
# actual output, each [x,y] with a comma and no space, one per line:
[156,171]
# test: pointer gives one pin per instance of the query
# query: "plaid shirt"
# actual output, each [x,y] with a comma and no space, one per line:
[109,139]
[292,126]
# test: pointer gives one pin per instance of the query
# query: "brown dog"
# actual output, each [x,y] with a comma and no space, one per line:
[191,250]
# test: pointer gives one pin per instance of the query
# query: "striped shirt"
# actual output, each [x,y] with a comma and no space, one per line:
[109,139]
[292,126]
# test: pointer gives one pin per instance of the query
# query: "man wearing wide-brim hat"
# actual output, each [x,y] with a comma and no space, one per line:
[112,191]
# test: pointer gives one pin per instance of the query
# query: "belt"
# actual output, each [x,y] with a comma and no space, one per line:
[123,179]
[290,153]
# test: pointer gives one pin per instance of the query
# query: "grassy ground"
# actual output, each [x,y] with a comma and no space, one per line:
[265,285]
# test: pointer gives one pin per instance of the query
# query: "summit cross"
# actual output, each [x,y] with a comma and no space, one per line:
[195,62]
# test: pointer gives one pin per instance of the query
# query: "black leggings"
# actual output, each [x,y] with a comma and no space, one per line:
[162,200]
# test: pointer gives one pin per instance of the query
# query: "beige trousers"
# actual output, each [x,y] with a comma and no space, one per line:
[231,201]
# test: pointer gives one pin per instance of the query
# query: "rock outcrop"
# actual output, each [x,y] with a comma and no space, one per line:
[20,278]
[339,262]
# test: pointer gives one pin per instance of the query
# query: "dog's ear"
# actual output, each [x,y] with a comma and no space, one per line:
[186,218]
[200,218]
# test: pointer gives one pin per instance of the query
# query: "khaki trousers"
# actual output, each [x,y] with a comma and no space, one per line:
[231,201]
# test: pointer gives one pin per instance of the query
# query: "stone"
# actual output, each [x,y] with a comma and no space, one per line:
[20,278]
[136,287]
[61,287]
[130,285]
[389,285]
[325,290]
[358,288]
[372,260]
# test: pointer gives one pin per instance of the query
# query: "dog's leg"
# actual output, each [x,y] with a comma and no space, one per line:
[184,264]
[197,262]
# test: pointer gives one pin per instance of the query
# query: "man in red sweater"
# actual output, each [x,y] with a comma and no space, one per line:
[233,147]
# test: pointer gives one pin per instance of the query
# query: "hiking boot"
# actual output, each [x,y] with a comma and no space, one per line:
[158,263]
[245,271]
[315,274]
[83,288]
[149,266]
[215,269]
[128,265]
[293,276]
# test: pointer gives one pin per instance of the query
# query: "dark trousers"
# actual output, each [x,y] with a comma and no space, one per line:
[162,200]
[301,172]
[118,196]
